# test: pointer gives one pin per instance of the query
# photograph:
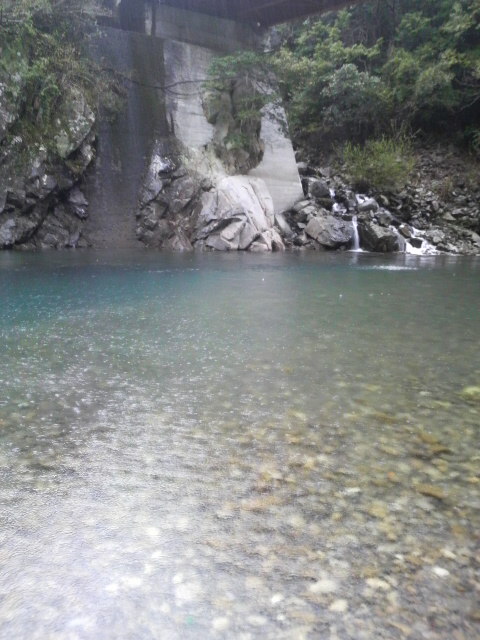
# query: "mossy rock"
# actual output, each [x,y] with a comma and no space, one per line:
[471,394]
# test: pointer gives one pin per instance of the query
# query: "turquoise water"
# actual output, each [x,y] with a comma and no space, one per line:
[238,446]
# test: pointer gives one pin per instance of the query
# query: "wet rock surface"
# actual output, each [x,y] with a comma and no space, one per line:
[329,232]
[375,237]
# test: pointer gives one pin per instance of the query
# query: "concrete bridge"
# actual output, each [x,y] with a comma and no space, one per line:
[261,12]
[133,14]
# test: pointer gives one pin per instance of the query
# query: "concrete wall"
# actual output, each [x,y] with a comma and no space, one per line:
[188,41]
[191,41]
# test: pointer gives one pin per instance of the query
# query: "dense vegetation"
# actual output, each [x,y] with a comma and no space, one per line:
[384,67]
[43,61]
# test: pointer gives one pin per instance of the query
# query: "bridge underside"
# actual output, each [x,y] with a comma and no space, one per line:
[262,12]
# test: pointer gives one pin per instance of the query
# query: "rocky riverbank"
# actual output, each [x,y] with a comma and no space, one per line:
[438,212]
[193,202]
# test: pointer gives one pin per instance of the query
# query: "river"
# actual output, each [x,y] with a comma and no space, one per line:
[237,446]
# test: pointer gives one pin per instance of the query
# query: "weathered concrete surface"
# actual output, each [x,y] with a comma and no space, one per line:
[165,120]
[186,66]
[214,33]
[124,143]
[278,168]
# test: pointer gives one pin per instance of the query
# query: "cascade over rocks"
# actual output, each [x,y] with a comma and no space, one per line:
[439,214]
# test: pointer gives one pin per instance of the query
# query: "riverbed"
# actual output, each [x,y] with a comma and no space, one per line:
[237,446]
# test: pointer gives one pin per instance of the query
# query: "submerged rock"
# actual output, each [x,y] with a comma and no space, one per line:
[472,394]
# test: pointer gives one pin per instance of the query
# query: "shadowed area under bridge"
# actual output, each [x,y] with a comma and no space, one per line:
[262,12]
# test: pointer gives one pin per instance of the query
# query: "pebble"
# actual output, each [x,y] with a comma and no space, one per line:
[187,592]
[378,510]
[253,582]
[339,606]
[132,582]
[220,624]
[441,572]
[277,598]
[432,491]
[257,621]
[377,583]
[297,521]
[323,586]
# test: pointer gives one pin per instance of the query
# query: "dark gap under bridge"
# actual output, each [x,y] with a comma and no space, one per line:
[265,13]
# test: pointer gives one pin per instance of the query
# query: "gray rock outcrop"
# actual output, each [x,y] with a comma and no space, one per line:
[41,203]
[181,209]
[238,215]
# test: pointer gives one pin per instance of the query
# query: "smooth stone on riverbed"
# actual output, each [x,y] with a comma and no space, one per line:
[339,606]
[377,583]
[471,393]
[323,586]
[220,624]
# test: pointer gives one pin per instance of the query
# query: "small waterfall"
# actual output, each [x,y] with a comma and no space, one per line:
[356,236]
[417,245]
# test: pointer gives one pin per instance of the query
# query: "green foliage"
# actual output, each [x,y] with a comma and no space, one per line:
[382,164]
[43,59]
[473,137]
[355,74]
[237,89]
[353,103]
[248,70]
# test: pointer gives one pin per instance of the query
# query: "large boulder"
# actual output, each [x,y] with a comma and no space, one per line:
[304,210]
[238,215]
[330,232]
[319,189]
[373,237]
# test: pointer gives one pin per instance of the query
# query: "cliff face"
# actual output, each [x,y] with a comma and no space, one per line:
[41,204]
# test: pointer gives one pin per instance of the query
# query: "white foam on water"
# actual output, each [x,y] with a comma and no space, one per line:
[391,267]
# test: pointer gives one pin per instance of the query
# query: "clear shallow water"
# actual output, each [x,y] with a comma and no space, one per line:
[239,446]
